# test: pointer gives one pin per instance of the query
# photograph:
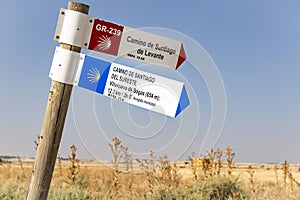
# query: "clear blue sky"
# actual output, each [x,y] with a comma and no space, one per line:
[254,44]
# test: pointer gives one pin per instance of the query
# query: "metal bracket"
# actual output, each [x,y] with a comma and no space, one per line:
[74,28]
[64,65]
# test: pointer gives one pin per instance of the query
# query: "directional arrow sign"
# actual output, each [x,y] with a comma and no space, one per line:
[98,35]
[136,87]
[122,41]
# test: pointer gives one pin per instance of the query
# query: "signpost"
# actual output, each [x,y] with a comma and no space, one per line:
[126,84]
[133,86]
[76,30]
[122,41]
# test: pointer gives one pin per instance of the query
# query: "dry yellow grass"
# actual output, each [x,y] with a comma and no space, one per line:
[101,177]
[144,176]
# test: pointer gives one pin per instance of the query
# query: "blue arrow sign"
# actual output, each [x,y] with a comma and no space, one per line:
[133,86]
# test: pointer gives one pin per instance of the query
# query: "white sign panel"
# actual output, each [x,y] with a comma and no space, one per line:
[133,86]
[107,37]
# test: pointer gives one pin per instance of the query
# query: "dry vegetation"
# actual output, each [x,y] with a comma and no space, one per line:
[213,176]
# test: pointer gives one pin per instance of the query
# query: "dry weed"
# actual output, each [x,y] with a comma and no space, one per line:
[251,178]
[229,159]
[74,164]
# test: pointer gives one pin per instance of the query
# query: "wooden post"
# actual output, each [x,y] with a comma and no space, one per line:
[54,120]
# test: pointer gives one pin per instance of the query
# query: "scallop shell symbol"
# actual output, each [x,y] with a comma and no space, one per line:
[104,43]
[93,75]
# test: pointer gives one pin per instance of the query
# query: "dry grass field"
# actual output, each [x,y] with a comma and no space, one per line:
[214,176]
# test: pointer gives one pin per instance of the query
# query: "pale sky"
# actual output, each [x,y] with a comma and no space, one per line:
[242,71]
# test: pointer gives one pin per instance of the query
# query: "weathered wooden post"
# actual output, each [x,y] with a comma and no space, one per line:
[54,120]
